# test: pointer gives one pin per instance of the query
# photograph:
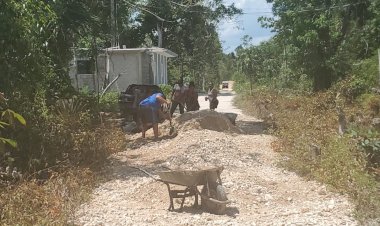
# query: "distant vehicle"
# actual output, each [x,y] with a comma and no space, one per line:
[224,85]
[130,98]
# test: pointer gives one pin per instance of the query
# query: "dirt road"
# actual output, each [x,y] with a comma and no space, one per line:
[225,102]
[261,193]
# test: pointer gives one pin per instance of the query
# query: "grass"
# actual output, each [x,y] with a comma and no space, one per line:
[304,122]
[54,201]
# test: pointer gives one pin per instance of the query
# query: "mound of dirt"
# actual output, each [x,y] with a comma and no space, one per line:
[205,119]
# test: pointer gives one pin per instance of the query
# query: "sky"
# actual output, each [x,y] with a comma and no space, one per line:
[232,31]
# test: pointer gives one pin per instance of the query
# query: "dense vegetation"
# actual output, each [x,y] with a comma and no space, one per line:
[50,133]
[320,41]
[316,84]
[37,39]
[48,130]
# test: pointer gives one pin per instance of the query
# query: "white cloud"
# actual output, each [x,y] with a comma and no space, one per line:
[229,28]
[240,3]
[232,31]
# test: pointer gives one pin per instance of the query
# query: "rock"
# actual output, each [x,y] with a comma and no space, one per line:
[314,151]
[375,90]
[322,191]
[232,117]
[268,197]
[130,127]
[376,123]
[331,204]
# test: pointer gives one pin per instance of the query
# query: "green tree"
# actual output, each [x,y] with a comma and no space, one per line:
[188,29]
[327,34]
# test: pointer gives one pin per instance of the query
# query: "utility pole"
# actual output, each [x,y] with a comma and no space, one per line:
[159,33]
[114,23]
[181,76]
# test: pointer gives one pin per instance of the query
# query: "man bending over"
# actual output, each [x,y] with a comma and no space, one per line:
[150,110]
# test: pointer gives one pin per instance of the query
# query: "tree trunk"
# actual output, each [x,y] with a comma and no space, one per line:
[159,33]
[322,79]
[250,85]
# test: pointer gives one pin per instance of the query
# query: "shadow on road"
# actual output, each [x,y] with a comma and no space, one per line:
[253,128]
[140,142]
[224,94]
[230,211]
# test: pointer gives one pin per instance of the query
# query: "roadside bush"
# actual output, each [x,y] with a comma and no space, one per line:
[57,152]
[109,102]
[167,89]
[369,142]
[370,103]
[307,126]
[53,203]
[364,77]
[67,132]
[241,83]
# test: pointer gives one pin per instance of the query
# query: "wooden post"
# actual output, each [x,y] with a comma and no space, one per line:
[251,85]
[76,80]
[181,76]
[203,82]
[378,54]
[285,57]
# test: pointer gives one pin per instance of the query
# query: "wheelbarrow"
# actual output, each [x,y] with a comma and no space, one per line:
[213,197]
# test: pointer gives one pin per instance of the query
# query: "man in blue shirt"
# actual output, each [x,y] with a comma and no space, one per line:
[150,109]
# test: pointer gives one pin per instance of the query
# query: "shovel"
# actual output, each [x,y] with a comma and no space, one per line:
[167,108]
[171,131]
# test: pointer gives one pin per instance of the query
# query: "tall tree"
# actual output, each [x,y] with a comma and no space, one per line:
[188,29]
[328,35]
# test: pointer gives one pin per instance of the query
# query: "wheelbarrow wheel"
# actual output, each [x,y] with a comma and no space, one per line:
[220,193]
[216,202]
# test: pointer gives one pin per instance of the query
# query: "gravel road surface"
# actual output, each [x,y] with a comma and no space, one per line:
[261,193]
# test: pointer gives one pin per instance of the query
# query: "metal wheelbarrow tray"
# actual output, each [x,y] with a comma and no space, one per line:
[209,178]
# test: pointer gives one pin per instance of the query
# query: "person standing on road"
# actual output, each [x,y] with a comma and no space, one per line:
[178,97]
[191,101]
[212,95]
[150,110]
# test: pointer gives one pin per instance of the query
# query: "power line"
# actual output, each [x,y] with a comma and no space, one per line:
[185,6]
[244,13]
[290,11]
[332,7]
[307,10]
[144,9]
[254,13]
